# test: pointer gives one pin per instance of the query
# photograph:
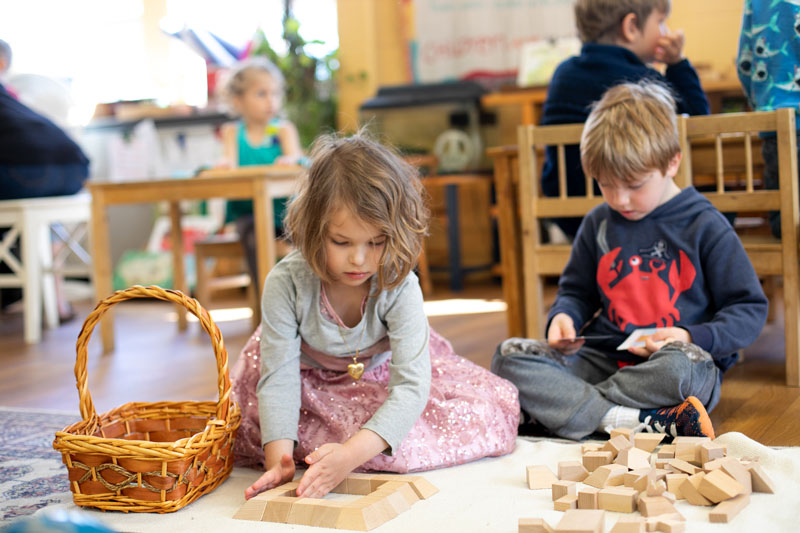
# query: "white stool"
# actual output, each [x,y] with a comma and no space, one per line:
[29,221]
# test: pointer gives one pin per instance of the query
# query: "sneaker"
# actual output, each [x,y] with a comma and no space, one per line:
[687,419]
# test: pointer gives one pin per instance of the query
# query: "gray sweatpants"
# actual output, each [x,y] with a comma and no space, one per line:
[570,394]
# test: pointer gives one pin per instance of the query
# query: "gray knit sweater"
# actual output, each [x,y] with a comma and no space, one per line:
[291,314]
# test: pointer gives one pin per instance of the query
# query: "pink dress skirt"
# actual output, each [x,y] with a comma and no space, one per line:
[471,413]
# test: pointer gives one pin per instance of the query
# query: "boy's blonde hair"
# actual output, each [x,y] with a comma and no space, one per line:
[632,130]
[375,185]
[598,21]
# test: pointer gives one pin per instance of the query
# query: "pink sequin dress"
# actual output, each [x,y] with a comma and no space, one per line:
[471,413]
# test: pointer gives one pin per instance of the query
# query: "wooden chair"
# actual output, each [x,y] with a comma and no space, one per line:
[506,211]
[770,256]
[540,259]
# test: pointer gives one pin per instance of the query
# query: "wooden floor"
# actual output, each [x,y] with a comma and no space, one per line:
[153,361]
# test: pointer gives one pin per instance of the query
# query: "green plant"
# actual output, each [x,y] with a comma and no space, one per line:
[311,98]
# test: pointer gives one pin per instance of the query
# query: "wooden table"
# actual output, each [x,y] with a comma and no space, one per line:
[260,184]
[530,100]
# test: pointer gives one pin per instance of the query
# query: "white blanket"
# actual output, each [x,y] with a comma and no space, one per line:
[491,495]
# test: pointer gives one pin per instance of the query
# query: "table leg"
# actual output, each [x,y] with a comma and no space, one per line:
[454,237]
[264,222]
[178,268]
[101,266]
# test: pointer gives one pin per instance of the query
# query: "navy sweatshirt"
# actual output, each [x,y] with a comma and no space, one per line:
[581,80]
[682,265]
[28,138]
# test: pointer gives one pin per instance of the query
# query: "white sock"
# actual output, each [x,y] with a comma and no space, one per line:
[619,417]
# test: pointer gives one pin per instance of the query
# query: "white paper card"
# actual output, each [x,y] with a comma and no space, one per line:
[637,338]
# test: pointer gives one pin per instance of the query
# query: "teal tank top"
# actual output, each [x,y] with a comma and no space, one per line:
[264,153]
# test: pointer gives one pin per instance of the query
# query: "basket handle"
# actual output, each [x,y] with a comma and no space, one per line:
[137,291]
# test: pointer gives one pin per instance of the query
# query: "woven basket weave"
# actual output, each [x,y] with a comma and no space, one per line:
[149,457]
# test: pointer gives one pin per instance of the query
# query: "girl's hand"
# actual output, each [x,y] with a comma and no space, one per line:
[657,340]
[328,466]
[561,334]
[281,473]
[293,159]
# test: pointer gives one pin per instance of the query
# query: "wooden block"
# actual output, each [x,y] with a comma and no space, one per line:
[616,444]
[713,464]
[582,521]
[565,503]
[679,465]
[652,523]
[252,509]
[315,512]
[656,488]
[641,483]
[571,471]
[633,458]
[718,486]
[760,480]
[590,447]
[377,510]
[365,514]
[422,487]
[625,432]
[688,451]
[397,500]
[277,509]
[619,499]
[737,471]
[533,525]
[401,487]
[671,526]
[725,511]
[359,484]
[379,479]
[606,476]
[654,506]
[564,488]
[674,482]
[629,478]
[696,440]
[667,451]
[587,498]
[710,451]
[690,492]
[591,460]
[539,477]
[629,524]
[647,441]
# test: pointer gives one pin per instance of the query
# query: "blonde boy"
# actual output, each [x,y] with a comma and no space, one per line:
[652,256]
[620,39]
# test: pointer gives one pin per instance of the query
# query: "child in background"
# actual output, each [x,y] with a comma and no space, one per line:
[348,373]
[620,37]
[260,137]
[652,255]
[769,70]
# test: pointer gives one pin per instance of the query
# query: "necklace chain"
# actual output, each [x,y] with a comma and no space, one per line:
[355,369]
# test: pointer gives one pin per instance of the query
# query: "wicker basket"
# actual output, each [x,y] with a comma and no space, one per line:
[149,457]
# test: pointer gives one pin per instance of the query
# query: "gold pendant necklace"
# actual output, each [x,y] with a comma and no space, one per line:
[355,369]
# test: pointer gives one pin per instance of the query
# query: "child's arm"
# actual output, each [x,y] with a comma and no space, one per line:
[681,75]
[280,467]
[230,155]
[291,151]
[330,463]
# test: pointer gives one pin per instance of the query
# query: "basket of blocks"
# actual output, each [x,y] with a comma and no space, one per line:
[149,457]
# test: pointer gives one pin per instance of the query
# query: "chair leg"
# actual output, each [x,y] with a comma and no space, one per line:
[424,273]
[31,290]
[201,283]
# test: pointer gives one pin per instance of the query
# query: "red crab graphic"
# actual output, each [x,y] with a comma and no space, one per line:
[643,298]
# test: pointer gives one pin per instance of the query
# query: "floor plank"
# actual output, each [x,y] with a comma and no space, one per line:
[153,361]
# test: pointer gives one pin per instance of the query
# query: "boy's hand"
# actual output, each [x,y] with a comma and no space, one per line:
[561,335]
[328,466]
[281,473]
[658,339]
[670,47]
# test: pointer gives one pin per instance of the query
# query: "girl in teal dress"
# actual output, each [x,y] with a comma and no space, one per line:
[260,137]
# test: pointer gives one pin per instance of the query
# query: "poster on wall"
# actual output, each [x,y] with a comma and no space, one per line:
[481,39]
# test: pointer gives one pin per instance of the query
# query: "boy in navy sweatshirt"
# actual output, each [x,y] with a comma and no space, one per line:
[620,38]
[652,255]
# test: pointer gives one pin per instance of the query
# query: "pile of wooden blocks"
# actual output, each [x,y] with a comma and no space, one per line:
[627,474]
[383,497]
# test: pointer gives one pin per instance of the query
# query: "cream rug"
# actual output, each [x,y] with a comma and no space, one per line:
[491,495]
